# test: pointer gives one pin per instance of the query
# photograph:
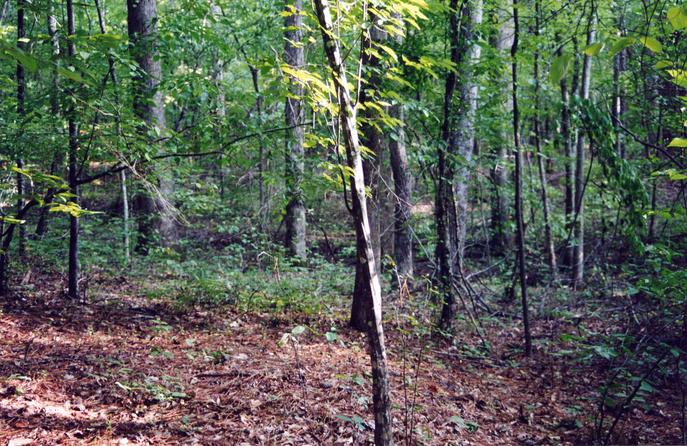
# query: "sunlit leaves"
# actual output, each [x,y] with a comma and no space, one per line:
[560,67]
[651,43]
[594,49]
[677,15]
[620,45]
[678,142]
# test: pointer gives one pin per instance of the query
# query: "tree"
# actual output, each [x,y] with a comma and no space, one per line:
[519,219]
[458,137]
[73,167]
[348,124]
[294,56]
[371,138]
[580,184]
[148,106]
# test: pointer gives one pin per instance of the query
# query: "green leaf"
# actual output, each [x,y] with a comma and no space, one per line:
[677,15]
[69,74]
[620,45]
[663,64]
[559,68]
[678,142]
[298,330]
[29,62]
[594,49]
[330,336]
[651,43]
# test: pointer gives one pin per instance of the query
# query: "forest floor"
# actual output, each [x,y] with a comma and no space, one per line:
[124,369]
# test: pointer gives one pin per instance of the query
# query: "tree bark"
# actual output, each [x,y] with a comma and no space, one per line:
[458,137]
[578,230]
[347,119]
[403,243]
[501,239]
[465,124]
[550,247]
[444,206]
[371,138]
[569,164]
[73,274]
[149,107]
[21,111]
[295,57]
[58,157]
[518,182]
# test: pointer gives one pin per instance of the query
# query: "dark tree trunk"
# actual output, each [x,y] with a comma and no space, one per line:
[444,207]
[372,139]
[295,208]
[73,274]
[518,183]
[154,212]
[21,111]
[403,243]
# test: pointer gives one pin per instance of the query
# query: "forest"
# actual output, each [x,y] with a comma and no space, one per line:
[343,222]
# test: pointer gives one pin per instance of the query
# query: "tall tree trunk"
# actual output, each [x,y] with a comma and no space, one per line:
[458,137]
[465,122]
[444,206]
[403,243]
[618,108]
[550,247]
[21,112]
[58,155]
[347,119]
[569,164]
[148,106]
[501,239]
[73,274]
[578,230]
[371,138]
[295,57]
[518,182]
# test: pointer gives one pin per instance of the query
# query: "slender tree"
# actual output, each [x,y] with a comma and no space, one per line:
[371,138]
[548,236]
[293,110]
[578,230]
[73,131]
[21,112]
[58,155]
[348,124]
[501,238]
[518,181]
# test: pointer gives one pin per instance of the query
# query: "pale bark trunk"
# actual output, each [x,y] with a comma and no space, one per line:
[465,125]
[578,230]
[295,209]
[501,239]
[550,247]
[58,156]
[347,118]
